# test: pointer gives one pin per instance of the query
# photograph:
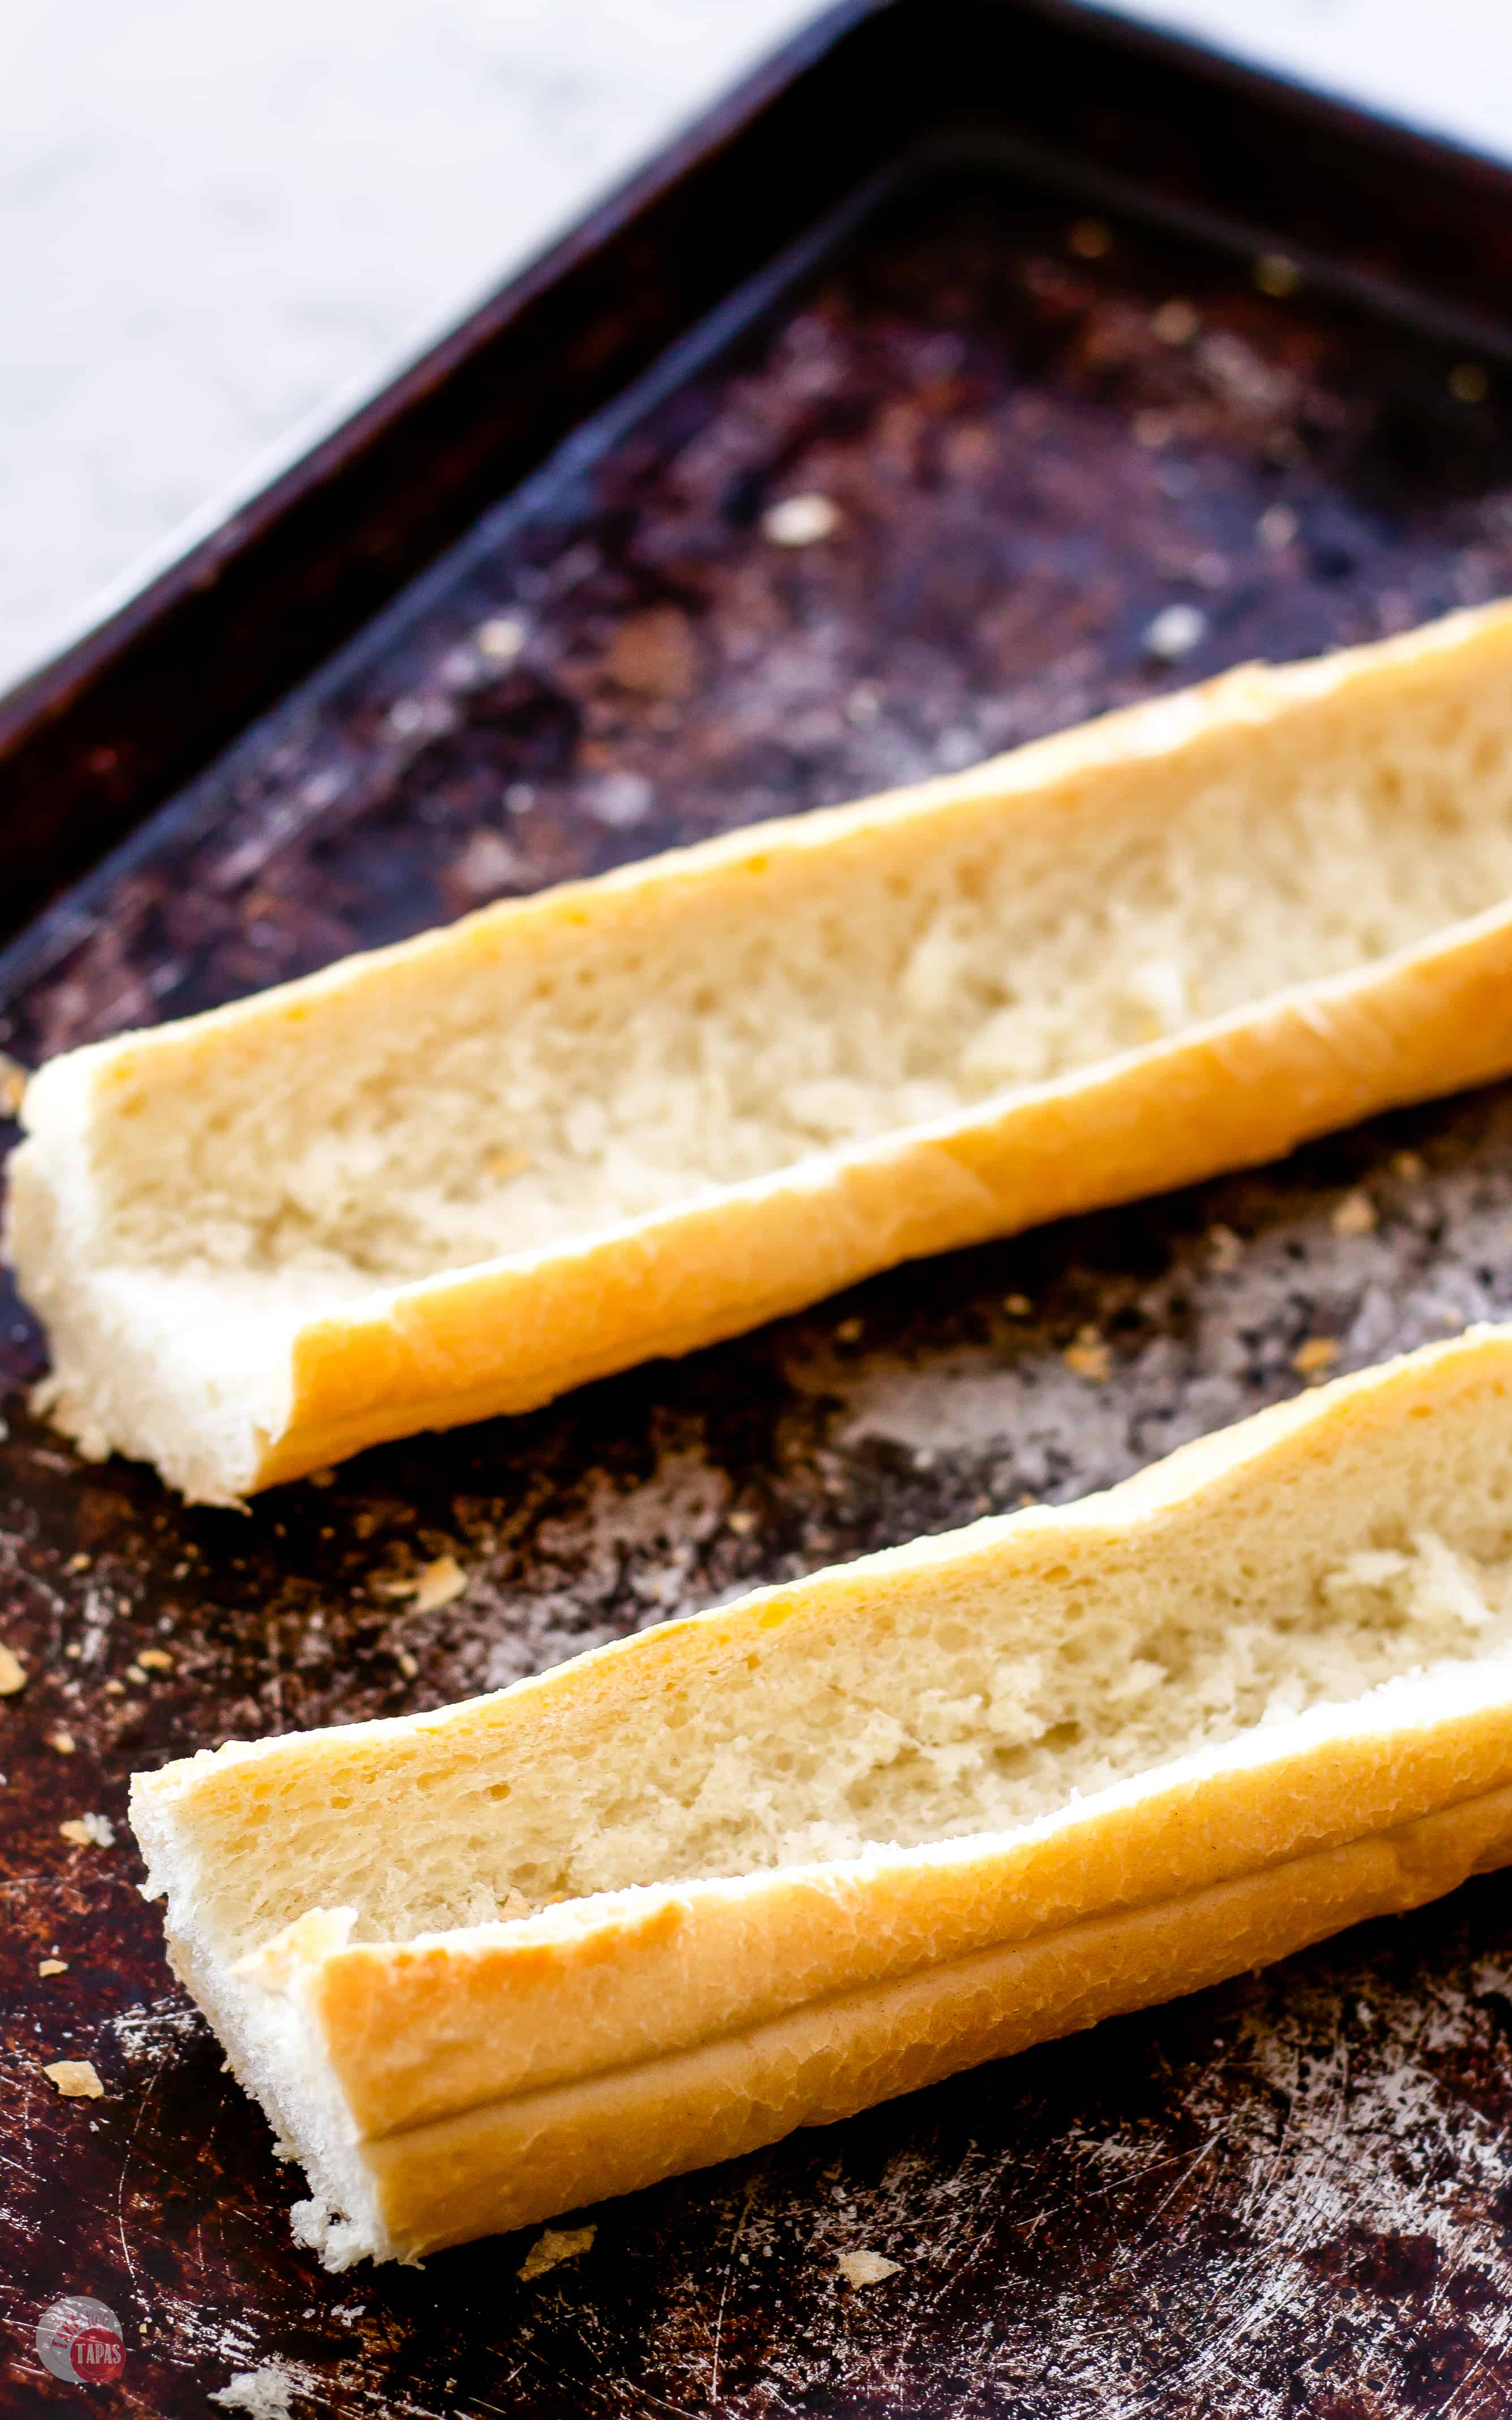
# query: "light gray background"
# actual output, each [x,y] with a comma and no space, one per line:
[219,224]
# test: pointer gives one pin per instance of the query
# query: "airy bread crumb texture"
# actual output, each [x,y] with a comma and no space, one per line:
[655,1057]
[970,1685]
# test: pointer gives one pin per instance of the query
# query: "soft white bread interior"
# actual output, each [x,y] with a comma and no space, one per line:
[636,1114]
[779,1860]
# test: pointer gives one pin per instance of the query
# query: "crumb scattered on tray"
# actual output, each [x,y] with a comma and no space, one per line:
[1175,631]
[155,1659]
[1311,1359]
[558,2243]
[866,2268]
[53,1966]
[800,520]
[434,1585]
[1018,1306]
[1088,1357]
[75,2079]
[502,639]
[1410,1166]
[265,2393]
[89,1831]
[62,1742]
[1224,1248]
[1355,1216]
[12,1673]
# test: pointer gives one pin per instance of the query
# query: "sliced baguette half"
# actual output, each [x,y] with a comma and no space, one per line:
[633,1115]
[769,1863]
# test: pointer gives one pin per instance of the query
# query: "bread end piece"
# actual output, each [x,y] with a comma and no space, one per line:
[152,1364]
[275,2053]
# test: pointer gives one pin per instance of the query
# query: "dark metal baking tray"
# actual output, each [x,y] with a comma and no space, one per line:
[519,620]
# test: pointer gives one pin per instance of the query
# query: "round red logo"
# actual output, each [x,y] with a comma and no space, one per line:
[79,2340]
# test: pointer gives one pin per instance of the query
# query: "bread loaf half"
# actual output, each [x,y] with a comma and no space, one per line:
[766,1865]
[633,1115]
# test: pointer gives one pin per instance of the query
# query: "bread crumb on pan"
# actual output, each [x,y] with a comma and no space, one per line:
[263,2394]
[435,1584]
[549,2250]
[1355,1216]
[1225,1249]
[1090,1356]
[866,2268]
[800,520]
[75,2079]
[1318,1354]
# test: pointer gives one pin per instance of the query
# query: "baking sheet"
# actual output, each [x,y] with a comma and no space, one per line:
[1289,2195]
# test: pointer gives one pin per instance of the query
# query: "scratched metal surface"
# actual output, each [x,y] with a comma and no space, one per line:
[1291,2194]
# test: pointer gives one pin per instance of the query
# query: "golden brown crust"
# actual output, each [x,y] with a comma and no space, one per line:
[505,1339]
[416,2030]
[515,2160]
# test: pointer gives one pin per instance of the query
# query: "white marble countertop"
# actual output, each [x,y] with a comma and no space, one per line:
[218,226]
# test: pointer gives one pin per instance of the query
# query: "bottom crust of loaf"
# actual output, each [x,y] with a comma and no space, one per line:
[515,2162]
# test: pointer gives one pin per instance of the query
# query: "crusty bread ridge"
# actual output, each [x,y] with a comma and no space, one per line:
[636,1114]
[764,1864]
